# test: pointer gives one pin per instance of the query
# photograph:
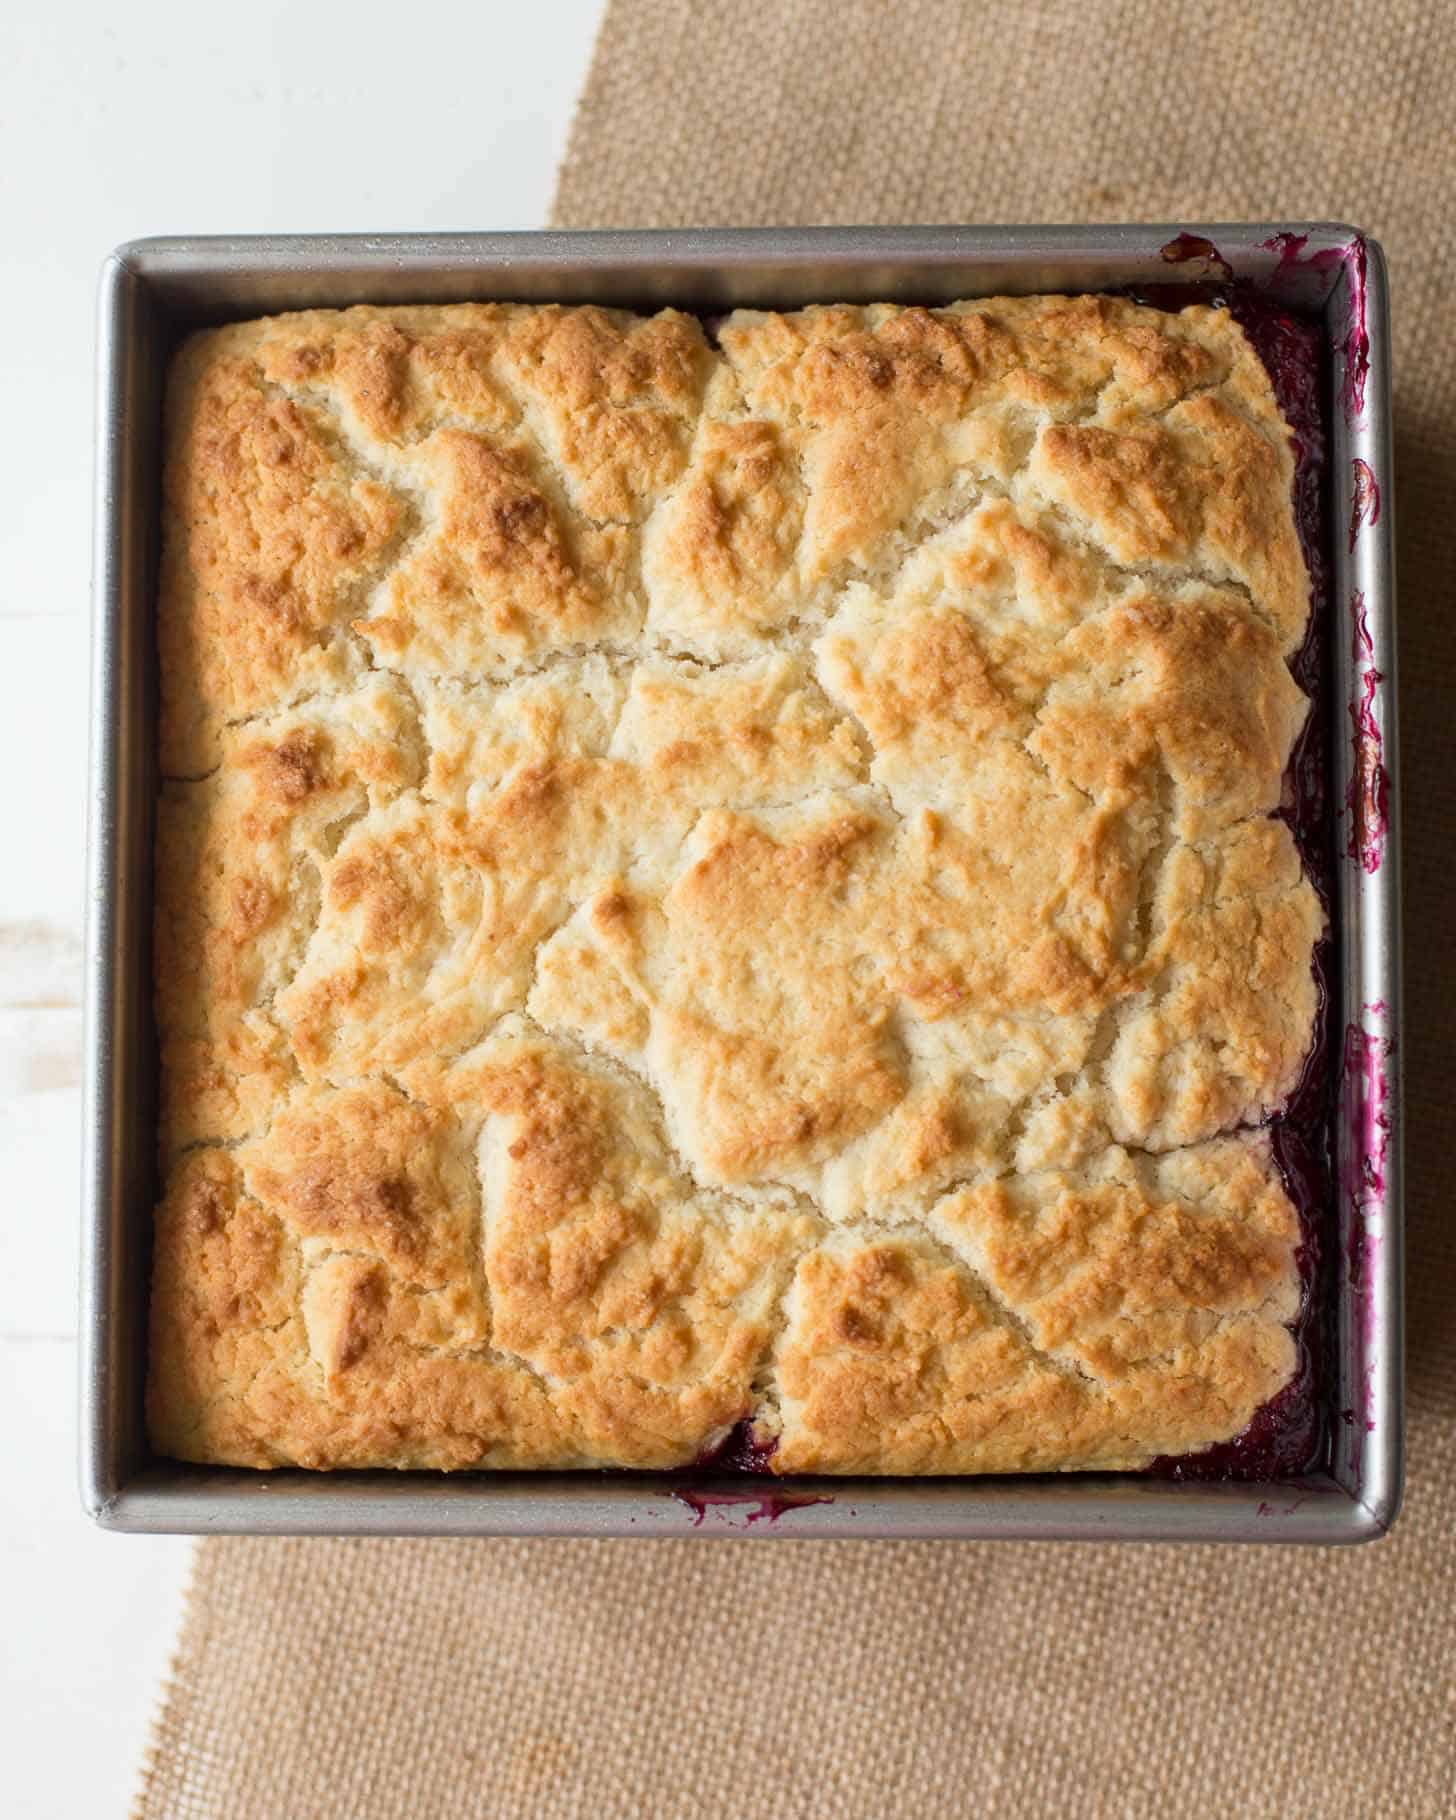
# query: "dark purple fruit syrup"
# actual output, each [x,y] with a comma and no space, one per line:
[1291,1433]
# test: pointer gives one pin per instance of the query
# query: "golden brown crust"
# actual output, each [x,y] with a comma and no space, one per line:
[240,862]
[507,1270]
[1102,1319]
[701,883]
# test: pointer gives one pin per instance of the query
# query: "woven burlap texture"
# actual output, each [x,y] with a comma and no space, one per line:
[317,1680]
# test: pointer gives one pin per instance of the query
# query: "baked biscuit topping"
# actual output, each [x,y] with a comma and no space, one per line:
[716,882]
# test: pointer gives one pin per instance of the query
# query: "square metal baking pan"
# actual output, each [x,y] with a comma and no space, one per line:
[155,290]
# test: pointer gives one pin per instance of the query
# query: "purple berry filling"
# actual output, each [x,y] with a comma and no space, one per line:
[740,1450]
[1290,1434]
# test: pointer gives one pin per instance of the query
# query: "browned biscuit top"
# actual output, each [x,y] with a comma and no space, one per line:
[702,882]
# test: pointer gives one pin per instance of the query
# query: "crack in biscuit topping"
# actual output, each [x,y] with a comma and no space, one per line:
[715,882]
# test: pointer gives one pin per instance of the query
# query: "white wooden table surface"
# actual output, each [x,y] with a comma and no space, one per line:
[164,118]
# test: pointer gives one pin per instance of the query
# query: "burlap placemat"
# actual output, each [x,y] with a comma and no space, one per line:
[328,1679]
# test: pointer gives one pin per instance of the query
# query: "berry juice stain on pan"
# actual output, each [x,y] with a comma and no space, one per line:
[1367,801]
[1365,1092]
[1364,500]
[1188,249]
[1366,1058]
[1290,248]
[764,1506]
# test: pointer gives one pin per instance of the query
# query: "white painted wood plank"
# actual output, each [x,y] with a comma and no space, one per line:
[39,1202]
[43,762]
[90,1618]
